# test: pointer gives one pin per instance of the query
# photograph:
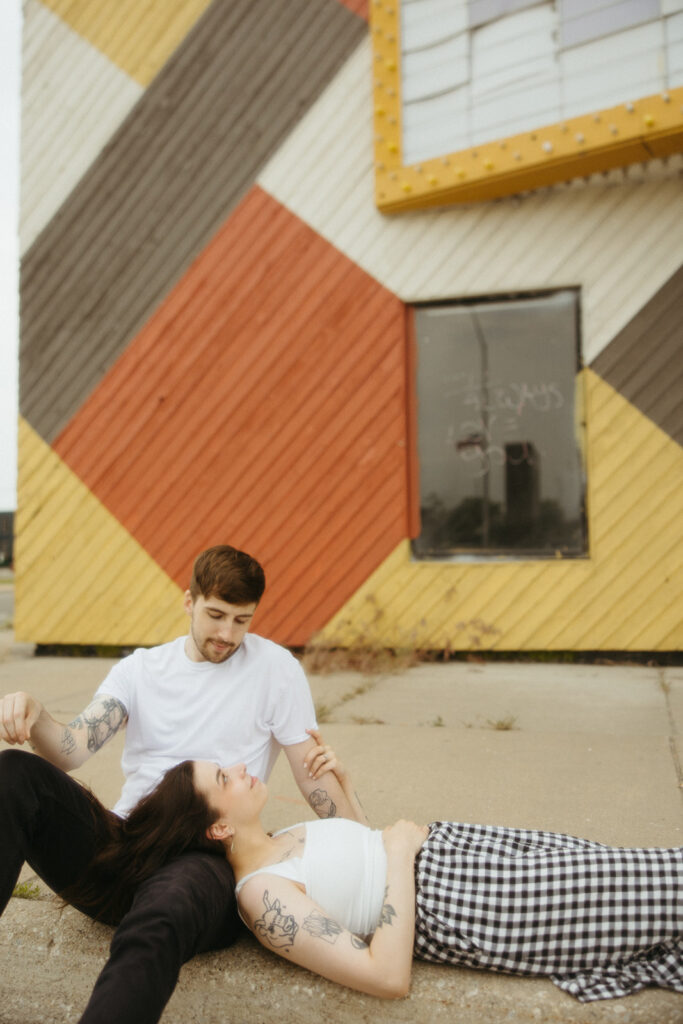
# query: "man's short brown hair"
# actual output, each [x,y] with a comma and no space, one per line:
[229,574]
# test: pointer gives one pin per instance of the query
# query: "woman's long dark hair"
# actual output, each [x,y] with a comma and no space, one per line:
[169,821]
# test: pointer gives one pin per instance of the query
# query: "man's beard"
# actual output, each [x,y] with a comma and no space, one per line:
[211,653]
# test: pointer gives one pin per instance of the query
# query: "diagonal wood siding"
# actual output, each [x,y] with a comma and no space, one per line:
[614,236]
[206,360]
[183,158]
[627,596]
[138,37]
[265,402]
[82,578]
[73,100]
[645,360]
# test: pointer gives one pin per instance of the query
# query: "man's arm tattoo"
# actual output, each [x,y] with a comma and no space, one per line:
[322,803]
[68,744]
[358,943]
[278,929]
[102,723]
[321,927]
[387,911]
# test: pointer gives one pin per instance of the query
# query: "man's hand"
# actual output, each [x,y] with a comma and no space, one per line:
[19,712]
[66,746]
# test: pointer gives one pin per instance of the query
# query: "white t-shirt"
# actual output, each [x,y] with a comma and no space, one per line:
[242,710]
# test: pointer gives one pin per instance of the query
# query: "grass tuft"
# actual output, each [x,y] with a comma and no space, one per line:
[26,891]
[502,724]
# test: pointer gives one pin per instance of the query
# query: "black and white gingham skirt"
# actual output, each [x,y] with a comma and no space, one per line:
[600,921]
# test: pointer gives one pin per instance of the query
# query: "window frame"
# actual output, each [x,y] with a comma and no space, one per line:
[491,555]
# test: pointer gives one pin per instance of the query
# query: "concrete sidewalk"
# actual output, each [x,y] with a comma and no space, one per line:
[591,750]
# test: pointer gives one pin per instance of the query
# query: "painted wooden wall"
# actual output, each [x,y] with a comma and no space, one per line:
[214,344]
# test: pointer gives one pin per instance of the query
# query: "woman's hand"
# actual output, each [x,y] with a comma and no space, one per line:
[405,837]
[322,759]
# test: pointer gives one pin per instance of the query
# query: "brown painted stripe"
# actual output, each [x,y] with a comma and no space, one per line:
[263,404]
[644,362]
[182,160]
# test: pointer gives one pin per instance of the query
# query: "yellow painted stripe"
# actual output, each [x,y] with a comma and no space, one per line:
[611,602]
[644,618]
[627,595]
[79,573]
[672,640]
[137,37]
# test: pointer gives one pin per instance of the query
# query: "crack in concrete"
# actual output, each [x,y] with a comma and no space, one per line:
[665,687]
[325,712]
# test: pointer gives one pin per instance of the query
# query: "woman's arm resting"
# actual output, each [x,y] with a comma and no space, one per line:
[290,924]
[326,796]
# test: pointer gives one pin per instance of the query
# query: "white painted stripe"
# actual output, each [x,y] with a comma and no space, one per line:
[612,236]
[73,100]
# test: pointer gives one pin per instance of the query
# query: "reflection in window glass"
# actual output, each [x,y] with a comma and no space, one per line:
[499,432]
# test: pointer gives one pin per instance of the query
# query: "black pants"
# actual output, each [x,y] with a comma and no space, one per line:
[187,907]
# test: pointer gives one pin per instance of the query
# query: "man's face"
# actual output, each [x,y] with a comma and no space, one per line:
[216,627]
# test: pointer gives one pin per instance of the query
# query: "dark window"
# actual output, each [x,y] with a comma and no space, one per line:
[500,437]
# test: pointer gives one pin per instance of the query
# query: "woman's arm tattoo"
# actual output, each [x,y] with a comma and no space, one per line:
[278,929]
[321,927]
[101,720]
[322,803]
[387,911]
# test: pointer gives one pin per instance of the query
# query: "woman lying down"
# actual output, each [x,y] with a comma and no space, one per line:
[355,905]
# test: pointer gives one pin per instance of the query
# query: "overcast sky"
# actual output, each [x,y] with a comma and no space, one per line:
[10,48]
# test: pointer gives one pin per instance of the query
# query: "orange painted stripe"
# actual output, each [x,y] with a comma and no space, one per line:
[262,405]
[262,357]
[381,503]
[359,7]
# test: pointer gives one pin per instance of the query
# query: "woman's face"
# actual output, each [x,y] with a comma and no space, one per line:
[232,793]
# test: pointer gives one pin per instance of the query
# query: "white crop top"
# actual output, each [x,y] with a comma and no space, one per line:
[343,868]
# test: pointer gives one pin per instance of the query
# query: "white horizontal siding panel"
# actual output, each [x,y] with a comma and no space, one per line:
[582,20]
[514,48]
[521,108]
[513,83]
[518,80]
[482,11]
[559,237]
[435,126]
[674,42]
[673,28]
[441,68]
[73,100]
[425,22]
[609,71]
[671,6]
